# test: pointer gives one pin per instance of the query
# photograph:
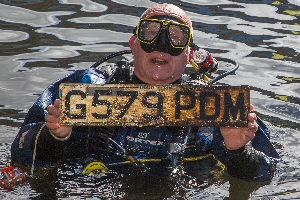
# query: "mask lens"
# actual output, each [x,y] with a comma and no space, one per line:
[163,35]
[179,35]
[149,30]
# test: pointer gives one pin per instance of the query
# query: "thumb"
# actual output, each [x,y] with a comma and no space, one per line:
[251,107]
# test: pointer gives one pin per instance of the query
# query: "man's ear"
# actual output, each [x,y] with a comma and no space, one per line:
[132,41]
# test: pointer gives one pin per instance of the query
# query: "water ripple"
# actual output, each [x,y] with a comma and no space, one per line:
[12,36]
[109,19]
[87,5]
[88,36]
[15,14]
[254,10]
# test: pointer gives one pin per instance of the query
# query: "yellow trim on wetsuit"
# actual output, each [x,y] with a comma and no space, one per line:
[159,160]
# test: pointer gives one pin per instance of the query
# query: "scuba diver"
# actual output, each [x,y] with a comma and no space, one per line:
[162,46]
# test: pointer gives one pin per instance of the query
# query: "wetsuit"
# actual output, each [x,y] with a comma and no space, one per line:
[255,161]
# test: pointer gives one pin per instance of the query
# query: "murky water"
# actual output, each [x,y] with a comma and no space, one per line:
[41,41]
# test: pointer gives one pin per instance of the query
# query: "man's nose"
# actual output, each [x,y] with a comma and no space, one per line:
[164,40]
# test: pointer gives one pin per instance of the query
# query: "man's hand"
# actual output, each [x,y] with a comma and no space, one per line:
[237,137]
[52,121]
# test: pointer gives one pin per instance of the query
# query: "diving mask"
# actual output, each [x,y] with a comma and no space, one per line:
[165,34]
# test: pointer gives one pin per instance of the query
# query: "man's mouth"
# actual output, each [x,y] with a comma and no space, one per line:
[159,61]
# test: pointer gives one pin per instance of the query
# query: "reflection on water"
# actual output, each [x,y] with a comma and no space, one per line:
[32,18]
[12,36]
[41,41]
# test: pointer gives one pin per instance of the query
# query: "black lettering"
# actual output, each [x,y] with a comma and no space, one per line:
[97,102]
[179,107]
[133,95]
[204,96]
[158,105]
[82,107]
[233,109]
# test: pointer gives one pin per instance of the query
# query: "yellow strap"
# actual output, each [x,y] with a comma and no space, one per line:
[159,160]
[194,64]
[198,158]
[205,77]
[196,67]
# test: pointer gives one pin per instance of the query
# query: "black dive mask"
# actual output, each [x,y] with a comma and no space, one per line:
[164,34]
[162,44]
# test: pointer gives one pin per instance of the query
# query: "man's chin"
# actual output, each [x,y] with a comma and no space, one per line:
[161,80]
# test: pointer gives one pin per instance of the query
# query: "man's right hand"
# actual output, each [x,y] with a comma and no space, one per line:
[53,118]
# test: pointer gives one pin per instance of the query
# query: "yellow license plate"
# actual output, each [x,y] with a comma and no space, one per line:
[153,105]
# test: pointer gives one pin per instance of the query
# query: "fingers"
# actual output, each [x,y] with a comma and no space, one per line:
[54,109]
[52,121]
[251,107]
[57,103]
[252,117]
[252,126]
[53,117]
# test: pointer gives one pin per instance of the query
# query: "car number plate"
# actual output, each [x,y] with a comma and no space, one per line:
[153,105]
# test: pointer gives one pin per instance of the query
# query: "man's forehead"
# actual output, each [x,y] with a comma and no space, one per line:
[167,10]
[166,17]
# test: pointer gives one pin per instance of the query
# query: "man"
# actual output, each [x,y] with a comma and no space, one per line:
[161,46]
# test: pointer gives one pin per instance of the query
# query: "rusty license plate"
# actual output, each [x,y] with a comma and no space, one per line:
[153,105]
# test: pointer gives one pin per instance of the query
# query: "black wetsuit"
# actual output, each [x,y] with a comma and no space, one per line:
[256,161]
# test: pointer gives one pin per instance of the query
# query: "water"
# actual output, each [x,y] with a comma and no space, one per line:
[41,41]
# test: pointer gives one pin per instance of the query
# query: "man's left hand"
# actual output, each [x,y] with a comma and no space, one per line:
[237,137]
